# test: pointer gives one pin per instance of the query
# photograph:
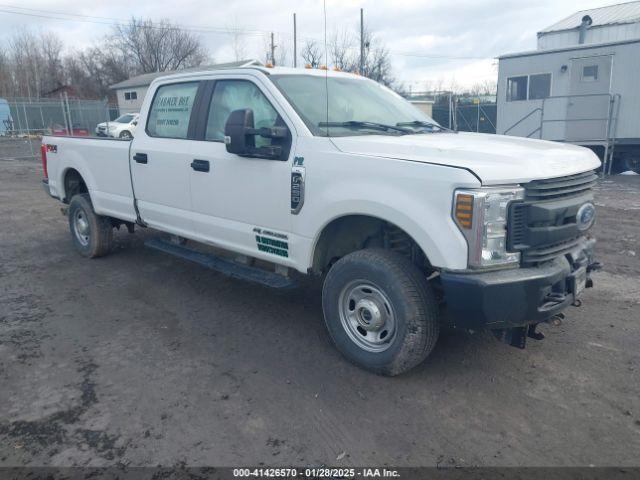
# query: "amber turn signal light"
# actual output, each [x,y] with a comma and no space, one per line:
[464,210]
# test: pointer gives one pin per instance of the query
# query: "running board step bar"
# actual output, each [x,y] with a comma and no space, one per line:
[222,265]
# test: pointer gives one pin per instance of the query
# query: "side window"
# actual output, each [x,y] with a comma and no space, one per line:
[230,95]
[171,110]
[539,86]
[590,73]
[517,88]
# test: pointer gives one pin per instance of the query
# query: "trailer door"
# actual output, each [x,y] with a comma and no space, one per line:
[588,104]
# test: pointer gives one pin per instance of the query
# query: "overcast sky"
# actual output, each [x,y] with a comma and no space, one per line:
[429,40]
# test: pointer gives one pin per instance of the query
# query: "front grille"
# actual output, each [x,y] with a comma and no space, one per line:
[560,187]
[543,226]
[544,254]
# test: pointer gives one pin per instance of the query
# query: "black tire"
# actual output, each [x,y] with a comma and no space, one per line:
[405,292]
[126,135]
[96,239]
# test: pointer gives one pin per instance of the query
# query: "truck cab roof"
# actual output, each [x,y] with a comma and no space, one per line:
[316,72]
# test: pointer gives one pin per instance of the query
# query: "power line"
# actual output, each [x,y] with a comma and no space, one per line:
[121,22]
[32,12]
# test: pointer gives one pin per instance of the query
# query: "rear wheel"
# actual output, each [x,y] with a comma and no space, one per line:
[92,234]
[380,311]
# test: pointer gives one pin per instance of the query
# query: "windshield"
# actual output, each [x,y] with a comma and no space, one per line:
[124,119]
[355,106]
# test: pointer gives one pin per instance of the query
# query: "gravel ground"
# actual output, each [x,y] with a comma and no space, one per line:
[142,359]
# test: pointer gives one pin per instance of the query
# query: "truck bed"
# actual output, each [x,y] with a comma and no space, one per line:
[104,165]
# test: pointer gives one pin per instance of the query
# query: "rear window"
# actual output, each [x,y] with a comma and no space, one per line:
[124,119]
[171,110]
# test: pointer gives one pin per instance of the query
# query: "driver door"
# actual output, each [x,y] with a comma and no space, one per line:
[239,198]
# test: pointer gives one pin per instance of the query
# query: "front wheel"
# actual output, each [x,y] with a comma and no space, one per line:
[92,234]
[380,311]
[126,135]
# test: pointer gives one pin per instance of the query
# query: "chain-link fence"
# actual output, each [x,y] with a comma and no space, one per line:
[463,113]
[28,119]
[51,116]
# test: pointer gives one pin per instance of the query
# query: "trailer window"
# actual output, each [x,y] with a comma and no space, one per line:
[590,73]
[539,86]
[171,110]
[517,88]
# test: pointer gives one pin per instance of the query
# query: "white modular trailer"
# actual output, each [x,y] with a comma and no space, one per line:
[584,94]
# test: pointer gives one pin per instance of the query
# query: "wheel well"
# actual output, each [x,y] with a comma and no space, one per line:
[348,234]
[73,184]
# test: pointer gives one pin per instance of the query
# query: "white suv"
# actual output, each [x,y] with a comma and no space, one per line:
[121,127]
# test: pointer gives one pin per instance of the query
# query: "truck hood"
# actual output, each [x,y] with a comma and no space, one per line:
[495,159]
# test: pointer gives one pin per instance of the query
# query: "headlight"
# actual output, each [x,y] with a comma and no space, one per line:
[481,216]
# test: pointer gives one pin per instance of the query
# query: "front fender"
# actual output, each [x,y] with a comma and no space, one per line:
[415,197]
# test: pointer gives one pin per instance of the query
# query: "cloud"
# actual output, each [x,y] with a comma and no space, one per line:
[415,31]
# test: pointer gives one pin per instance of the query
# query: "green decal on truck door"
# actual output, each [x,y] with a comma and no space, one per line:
[272,242]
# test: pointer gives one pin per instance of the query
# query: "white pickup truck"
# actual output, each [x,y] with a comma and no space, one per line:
[412,226]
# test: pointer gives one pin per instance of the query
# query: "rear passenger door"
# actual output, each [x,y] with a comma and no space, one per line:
[160,159]
[239,201]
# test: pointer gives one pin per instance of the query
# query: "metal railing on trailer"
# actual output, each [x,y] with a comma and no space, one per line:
[610,123]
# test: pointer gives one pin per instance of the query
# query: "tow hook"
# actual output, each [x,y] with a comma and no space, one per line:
[517,336]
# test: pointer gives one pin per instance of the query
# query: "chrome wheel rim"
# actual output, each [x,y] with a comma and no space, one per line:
[81,227]
[367,316]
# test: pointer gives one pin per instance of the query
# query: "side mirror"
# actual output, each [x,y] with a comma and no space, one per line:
[236,136]
[135,122]
[240,133]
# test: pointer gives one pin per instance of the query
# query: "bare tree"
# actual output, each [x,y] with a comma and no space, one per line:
[33,64]
[377,64]
[158,46]
[280,51]
[312,53]
[51,75]
[5,74]
[341,51]
[486,87]
[345,55]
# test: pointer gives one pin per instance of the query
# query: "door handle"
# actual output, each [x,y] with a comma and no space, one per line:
[200,165]
[140,157]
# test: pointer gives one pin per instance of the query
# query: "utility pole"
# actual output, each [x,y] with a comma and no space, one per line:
[273,50]
[361,42]
[295,43]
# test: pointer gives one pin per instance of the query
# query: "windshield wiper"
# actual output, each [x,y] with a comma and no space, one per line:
[355,124]
[421,123]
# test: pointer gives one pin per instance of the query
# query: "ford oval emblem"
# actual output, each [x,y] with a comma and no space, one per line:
[585,216]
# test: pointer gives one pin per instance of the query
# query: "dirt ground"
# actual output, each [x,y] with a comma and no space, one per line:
[142,359]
